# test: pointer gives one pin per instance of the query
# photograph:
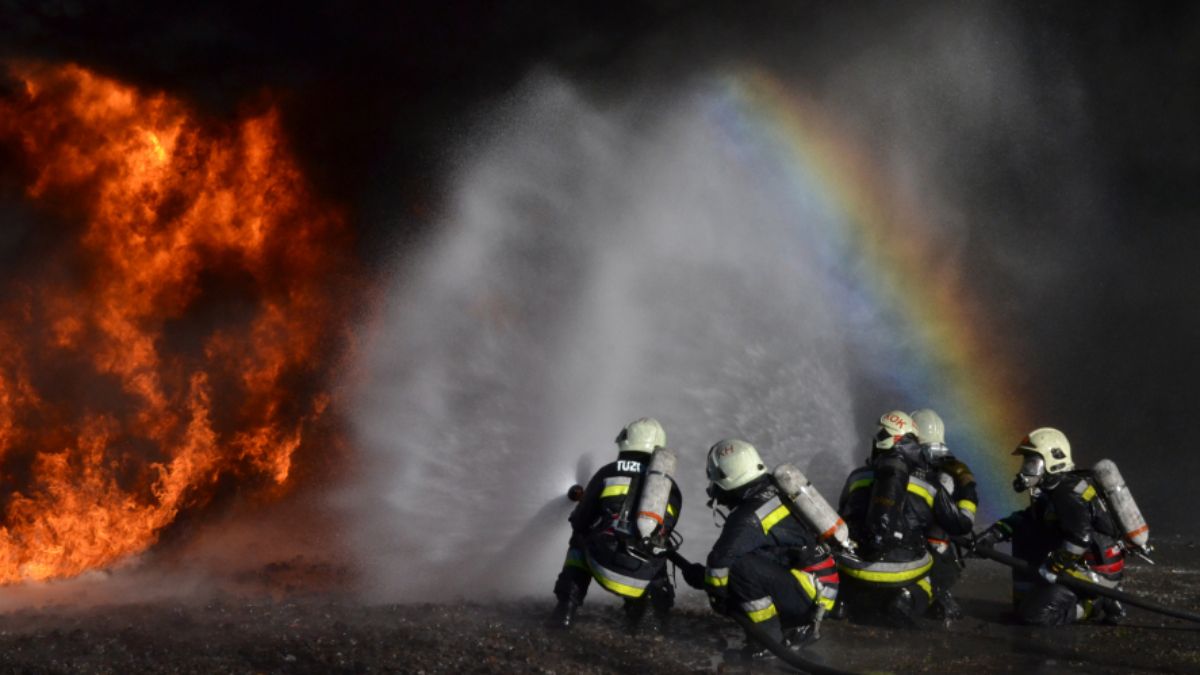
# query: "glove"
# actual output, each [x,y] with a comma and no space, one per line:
[801,557]
[988,538]
[1046,572]
[1055,564]
[693,574]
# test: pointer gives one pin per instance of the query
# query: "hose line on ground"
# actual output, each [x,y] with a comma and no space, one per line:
[1084,586]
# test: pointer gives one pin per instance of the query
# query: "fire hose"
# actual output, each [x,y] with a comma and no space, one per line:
[1084,586]
[776,647]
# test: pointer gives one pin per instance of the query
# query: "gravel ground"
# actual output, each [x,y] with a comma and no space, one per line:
[327,633]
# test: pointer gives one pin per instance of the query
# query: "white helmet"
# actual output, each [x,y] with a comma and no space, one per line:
[893,426]
[930,428]
[733,463]
[642,435]
[931,433]
[1051,445]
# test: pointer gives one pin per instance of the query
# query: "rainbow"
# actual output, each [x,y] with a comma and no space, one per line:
[881,263]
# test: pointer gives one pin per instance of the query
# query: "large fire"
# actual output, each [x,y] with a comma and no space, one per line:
[175,337]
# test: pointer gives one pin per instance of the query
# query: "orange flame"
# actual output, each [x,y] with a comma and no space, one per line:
[177,338]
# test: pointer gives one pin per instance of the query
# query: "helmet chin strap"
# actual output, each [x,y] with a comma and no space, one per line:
[712,504]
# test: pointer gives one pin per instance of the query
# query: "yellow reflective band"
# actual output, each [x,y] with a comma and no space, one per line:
[614,491]
[618,587]
[716,581]
[670,510]
[925,586]
[773,518]
[1088,608]
[1089,493]
[967,504]
[806,583]
[920,492]
[761,615]
[861,483]
[888,577]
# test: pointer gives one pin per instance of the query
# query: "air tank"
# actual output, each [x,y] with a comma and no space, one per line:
[812,506]
[656,492]
[1129,516]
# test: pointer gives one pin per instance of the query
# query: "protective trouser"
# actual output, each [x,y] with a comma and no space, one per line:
[945,571]
[601,556]
[887,592]
[1048,605]
[774,596]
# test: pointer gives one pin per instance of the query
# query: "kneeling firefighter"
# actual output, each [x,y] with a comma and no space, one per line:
[770,561]
[956,477]
[622,529]
[1069,527]
[891,505]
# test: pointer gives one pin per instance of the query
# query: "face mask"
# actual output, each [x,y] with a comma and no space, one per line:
[1030,473]
[934,452]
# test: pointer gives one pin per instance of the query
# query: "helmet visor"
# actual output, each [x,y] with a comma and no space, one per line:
[714,470]
[885,439]
[1030,473]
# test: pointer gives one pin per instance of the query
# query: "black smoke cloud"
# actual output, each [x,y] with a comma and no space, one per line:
[1075,189]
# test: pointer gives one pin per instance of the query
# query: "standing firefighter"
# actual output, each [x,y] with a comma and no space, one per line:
[769,562]
[621,529]
[892,505]
[956,477]
[1068,528]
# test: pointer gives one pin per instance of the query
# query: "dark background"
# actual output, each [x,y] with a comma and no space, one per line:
[1095,291]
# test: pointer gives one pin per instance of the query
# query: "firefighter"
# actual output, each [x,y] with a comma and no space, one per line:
[956,477]
[767,563]
[891,505]
[605,544]
[1066,529]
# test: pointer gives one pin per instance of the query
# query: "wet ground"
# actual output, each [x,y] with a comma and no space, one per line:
[325,634]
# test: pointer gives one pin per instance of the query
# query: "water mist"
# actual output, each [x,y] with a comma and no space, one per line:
[595,264]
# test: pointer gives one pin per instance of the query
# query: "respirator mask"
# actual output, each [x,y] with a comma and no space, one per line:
[1030,474]
[934,452]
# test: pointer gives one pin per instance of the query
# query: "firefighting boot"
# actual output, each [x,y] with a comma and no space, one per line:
[752,652]
[798,636]
[898,612]
[1114,611]
[563,615]
[946,608]
[662,599]
[635,612]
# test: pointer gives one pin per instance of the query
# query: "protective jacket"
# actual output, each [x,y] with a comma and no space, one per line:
[604,540]
[1068,524]
[768,563]
[891,506]
[954,475]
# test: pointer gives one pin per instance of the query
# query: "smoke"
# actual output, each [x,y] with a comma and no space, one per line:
[597,264]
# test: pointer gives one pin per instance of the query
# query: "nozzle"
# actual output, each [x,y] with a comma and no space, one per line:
[575,493]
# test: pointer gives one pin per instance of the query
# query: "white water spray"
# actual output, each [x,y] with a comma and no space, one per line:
[595,266]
